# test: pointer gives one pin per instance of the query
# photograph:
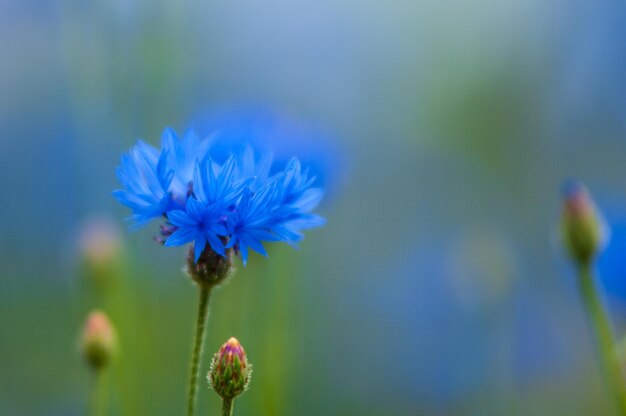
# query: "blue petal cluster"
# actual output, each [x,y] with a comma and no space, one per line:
[235,204]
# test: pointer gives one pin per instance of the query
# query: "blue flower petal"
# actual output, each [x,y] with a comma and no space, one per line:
[198,247]
[180,219]
[181,236]
[216,243]
[195,209]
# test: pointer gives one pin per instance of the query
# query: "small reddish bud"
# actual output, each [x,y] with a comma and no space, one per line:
[102,253]
[100,241]
[582,226]
[230,371]
[98,340]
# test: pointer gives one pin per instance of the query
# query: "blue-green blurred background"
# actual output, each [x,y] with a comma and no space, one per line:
[442,131]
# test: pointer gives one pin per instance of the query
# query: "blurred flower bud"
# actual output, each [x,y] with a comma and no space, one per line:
[211,268]
[98,341]
[100,241]
[582,226]
[230,372]
[101,249]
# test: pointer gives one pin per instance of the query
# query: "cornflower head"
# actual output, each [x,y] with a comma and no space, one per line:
[237,204]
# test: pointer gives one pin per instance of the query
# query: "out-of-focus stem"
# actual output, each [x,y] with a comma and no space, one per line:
[98,394]
[604,336]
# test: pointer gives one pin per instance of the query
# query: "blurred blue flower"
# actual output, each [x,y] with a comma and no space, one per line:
[235,204]
[270,132]
[612,265]
[591,95]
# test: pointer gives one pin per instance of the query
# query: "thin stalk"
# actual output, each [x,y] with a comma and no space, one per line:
[604,336]
[228,406]
[97,405]
[203,312]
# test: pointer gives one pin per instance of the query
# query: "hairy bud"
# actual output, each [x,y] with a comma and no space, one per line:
[230,371]
[211,268]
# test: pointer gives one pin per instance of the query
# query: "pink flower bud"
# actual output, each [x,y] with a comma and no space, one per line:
[98,340]
[230,370]
[582,226]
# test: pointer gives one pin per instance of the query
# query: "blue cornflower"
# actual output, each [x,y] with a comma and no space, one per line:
[277,212]
[200,223]
[182,156]
[253,220]
[214,183]
[146,178]
[157,182]
[295,192]
[236,204]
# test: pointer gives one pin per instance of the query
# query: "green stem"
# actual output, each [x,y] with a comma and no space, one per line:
[228,406]
[604,336]
[203,312]
[98,394]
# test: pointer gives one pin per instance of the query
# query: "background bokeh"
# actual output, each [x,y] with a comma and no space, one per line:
[442,131]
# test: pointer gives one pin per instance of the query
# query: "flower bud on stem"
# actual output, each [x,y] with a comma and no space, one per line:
[210,270]
[98,340]
[230,374]
[581,225]
[583,237]
[99,346]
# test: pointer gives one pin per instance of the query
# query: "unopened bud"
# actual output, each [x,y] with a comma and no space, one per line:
[581,224]
[100,240]
[101,248]
[98,340]
[230,371]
